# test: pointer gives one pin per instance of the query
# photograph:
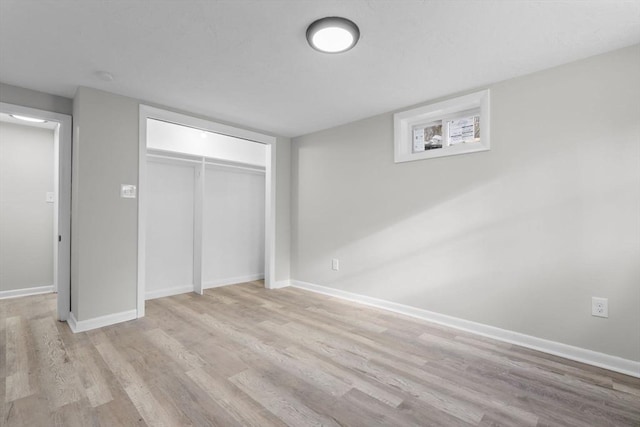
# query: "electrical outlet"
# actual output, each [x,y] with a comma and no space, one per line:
[335,264]
[599,307]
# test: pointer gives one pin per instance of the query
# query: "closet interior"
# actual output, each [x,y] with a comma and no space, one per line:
[205,210]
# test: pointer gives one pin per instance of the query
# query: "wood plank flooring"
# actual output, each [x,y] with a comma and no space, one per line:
[245,356]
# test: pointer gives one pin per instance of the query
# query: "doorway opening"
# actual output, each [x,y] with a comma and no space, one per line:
[35,199]
[205,193]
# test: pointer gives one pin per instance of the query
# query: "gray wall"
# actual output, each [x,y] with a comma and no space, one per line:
[104,226]
[26,219]
[34,99]
[520,237]
[283,204]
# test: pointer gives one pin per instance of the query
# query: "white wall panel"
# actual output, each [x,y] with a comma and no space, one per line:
[186,140]
[169,239]
[233,222]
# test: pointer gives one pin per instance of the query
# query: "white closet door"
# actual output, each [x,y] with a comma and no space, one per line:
[170,221]
[233,226]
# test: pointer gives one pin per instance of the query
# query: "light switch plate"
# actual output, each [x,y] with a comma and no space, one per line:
[50,197]
[128,191]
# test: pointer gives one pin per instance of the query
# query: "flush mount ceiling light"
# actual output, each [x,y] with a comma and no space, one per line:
[105,76]
[333,34]
[27,119]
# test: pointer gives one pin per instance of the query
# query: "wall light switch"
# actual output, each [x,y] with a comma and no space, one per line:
[335,264]
[128,191]
[50,197]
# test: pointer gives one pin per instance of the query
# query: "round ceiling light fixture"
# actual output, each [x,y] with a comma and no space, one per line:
[105,76]
[27,119]
[333,34]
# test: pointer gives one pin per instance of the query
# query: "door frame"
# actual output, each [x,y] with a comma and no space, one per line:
[62,203]
[148,112]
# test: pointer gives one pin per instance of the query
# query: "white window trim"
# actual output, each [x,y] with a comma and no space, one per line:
[404,121]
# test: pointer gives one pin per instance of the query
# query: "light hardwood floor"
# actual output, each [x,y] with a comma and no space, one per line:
[244,356]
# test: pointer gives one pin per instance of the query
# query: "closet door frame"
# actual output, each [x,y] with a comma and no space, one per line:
[148,112]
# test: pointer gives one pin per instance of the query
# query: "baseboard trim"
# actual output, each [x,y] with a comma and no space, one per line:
[280,284]
[590,357]
[231,281]
[100,322]
[15,293]
[72,322]
[161,293]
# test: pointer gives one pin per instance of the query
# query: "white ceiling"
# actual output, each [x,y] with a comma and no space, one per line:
[248,62]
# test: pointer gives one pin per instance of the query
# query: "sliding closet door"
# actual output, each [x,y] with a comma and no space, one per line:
[233,226]
[169,245]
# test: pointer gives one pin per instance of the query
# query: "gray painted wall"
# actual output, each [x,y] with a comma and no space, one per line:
[520,237]
[26,219]
[283,208]
[34,99]
[104,226]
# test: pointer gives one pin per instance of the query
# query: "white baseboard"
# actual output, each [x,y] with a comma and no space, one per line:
[99,322]
[590,357]
[231,281]
[72,322]
[281,284]
[160,293]
[15,293]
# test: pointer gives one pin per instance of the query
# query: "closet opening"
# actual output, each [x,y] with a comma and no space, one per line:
[35,204]
[205,205]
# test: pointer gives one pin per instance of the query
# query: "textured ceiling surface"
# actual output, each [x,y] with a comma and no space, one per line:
[248,62]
